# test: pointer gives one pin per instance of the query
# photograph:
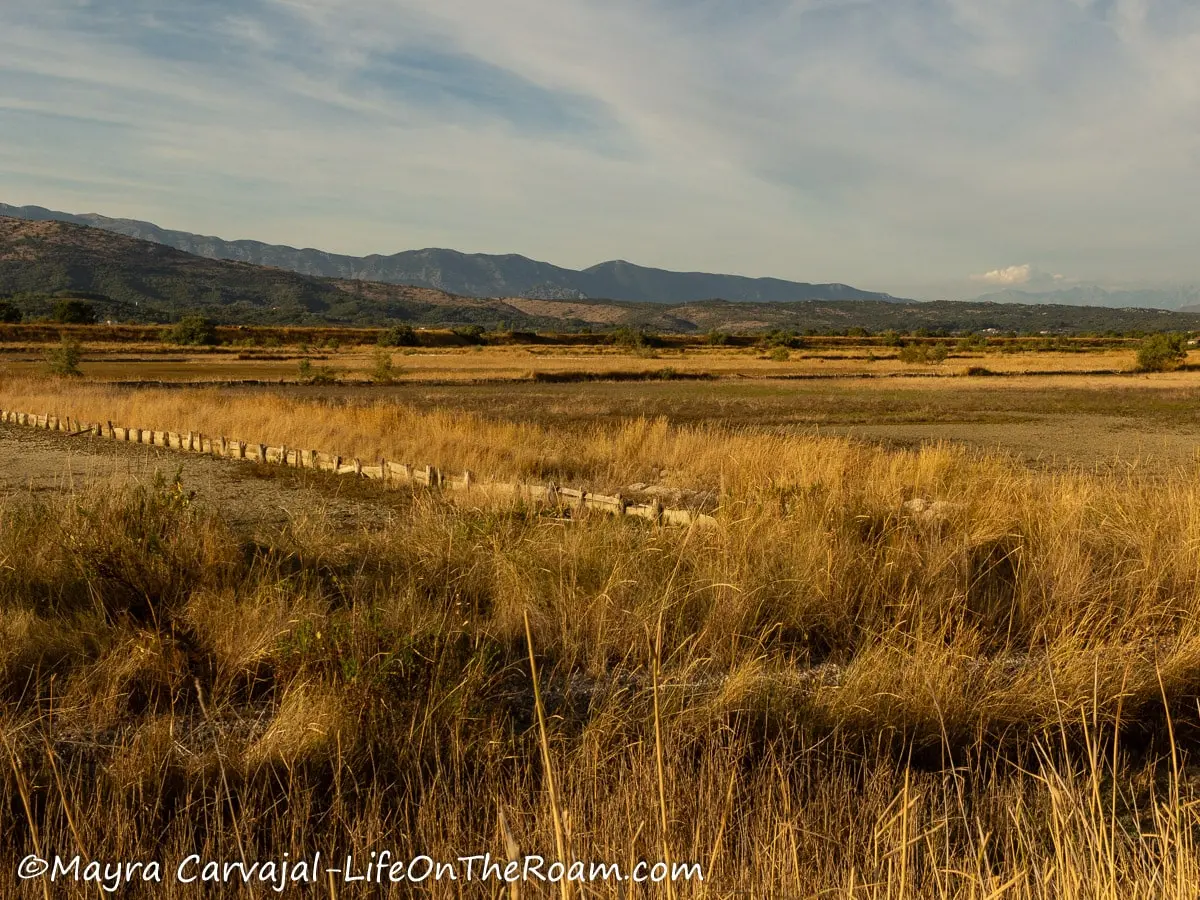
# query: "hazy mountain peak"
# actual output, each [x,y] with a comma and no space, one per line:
[473,274]
[1176,297]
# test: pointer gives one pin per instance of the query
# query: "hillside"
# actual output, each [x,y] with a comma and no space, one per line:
[149,282]
[142,281]
[473,274]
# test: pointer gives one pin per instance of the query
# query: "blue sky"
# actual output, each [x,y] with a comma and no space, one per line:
[930,147]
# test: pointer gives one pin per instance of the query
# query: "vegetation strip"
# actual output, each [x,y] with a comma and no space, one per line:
[388,472]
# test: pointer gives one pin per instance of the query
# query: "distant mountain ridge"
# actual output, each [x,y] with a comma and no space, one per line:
[474,274]
[1180,298]
[130,280]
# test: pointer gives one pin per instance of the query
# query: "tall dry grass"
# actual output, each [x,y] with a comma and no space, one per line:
[741,463]
[832,693]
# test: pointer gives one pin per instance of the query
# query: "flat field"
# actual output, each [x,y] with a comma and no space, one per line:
[941,640]
[350,362]
[1052,402]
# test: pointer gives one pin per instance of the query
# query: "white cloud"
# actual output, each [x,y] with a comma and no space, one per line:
[1025,274]
[1007,276]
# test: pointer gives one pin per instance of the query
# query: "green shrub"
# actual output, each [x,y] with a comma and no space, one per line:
[472,334]
[9,313]
[310,374]
[383,371]
[192,331]
[64,359]
[399,336]
[780,354]
[783,338]
[923,354]
[70,311]
[717,338]
[635,339]
[1162,352]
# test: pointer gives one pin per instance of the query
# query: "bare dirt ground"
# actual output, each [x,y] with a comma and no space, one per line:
[248,496]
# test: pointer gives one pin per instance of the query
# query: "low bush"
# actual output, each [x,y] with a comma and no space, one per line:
[635,339]
[472,334]
[192,331]
[787,339]
[1162,352]
[63,360]
[310,374]
[383,370]
[717,338]
[399,336]
[923,354]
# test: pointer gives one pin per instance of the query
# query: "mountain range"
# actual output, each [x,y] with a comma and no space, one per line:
[132,280]
[473,274]
[1184,298]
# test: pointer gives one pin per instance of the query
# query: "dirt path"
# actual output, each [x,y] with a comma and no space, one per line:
[246,495]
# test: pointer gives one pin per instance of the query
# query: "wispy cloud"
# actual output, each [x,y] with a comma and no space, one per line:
[882,142]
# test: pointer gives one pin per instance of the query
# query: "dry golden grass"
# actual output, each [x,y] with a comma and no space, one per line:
[739,462]
[158,362]
[854,701]
[836,692]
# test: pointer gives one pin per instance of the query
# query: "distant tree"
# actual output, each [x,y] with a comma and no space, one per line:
[629,338]
[399,336]
[193,331]
[1162,352]
[471,333]
[72,311]
[717,338]
[786,338]
[9,313]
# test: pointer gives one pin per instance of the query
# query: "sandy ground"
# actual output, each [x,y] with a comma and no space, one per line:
[246,495]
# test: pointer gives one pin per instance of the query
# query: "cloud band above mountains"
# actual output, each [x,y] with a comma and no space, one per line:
[877,142]
[1026,275]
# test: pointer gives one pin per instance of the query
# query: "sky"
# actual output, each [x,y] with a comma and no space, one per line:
[922,147]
